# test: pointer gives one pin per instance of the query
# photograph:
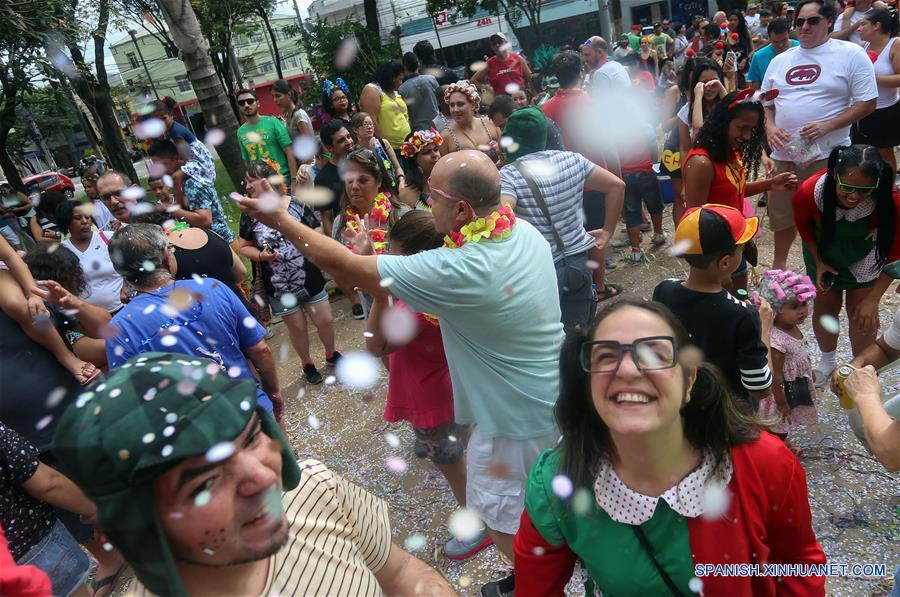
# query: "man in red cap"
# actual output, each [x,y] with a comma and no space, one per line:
[506,71]
[634,38]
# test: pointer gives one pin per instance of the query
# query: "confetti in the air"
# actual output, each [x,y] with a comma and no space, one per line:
[397,465]
[830,324]
[346,53]
[465,524]
[220,451]
[562,486]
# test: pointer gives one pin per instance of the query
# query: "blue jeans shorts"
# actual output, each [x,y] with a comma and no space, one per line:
[278,308]
[60,556]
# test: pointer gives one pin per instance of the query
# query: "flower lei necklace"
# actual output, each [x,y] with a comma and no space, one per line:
[378,218]
[496,226]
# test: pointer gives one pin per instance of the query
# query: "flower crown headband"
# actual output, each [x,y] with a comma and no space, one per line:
[465,88]
[419,140]
[328,87]
[752,95]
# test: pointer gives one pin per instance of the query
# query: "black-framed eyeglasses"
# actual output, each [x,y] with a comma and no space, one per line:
[653,353]
[811,21]
[246,102]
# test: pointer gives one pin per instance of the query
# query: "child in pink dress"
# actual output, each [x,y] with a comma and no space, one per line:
[794,392]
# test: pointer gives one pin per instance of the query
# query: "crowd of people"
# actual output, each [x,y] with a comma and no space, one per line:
[467,221]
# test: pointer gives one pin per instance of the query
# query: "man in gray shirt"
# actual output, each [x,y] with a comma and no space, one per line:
[420,94]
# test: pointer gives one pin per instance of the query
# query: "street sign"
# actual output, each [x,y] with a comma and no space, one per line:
[440,18]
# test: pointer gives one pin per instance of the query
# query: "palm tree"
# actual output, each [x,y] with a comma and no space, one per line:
[185,29]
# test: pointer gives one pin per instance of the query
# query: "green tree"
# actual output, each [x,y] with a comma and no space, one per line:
[47,105]
[322,42]
[24,28]
[513,11]
[88,24]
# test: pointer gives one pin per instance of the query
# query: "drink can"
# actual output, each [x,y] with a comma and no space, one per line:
[843,372]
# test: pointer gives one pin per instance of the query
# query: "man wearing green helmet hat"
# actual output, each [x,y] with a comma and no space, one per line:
[187,472]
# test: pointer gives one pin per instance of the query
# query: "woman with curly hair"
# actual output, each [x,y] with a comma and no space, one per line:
[80,324]
[847,218]
[658,470]
[421,151]
[104,284]
[469,131]
[727,148]
[336,100]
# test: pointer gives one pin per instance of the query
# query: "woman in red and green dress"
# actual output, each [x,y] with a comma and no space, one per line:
[847,219]
[730,145]
[657,473]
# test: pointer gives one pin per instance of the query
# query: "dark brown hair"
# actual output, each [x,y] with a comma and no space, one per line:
[415,232]
[712,419]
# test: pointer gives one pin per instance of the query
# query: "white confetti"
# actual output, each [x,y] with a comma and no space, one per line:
[168,340]
[107,546]
[415,542]
[346,53]
[134,193]
[168,431]
[171,418]
[186,387]
[55,396]
[506,141]
[512,88]
[202,498]
[392,440]
[253,137]
[115,392]
[562,486]
[304,147]
[150,129]
[465,524]
[329,381]
[245,405]
[358,370]
[399,325]
[289,300]
[234,372]
[214,137]
[166,451]
[386,281]
[43,422]
[167,180]
[148,438]
[249,322]
[680,247]
[396,464]
[219,452]
[581,501]
[695,585]
[714,501]
[148,265]
[830,323]
[313,421]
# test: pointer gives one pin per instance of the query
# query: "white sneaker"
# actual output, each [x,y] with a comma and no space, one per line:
[636,257]
[822,374]
[620,242]
[659,239]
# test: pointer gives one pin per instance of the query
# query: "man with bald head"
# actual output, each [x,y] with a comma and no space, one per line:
[500,320]
[607,77]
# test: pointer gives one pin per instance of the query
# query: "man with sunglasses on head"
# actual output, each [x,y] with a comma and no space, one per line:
[491,287]
[264,138]
[824,86]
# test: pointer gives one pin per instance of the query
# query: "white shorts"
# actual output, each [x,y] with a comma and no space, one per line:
[497,471]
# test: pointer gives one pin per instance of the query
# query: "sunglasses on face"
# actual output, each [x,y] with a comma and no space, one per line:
[811,21]
[654,353]
[849,189]
[111,194]
[246,102]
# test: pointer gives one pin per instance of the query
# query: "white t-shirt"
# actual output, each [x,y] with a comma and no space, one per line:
[817,84]
[104,284]
[752,21]
[611,77]
[855,18]
[102,216]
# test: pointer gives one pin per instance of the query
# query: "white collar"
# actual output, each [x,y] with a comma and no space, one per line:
[626,506]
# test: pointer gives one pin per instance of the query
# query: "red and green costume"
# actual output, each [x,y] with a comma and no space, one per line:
[767,521]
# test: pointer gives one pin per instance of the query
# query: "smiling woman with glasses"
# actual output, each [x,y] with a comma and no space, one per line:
[658,472]
[847,218]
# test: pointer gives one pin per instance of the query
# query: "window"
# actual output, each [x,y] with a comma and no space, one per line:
[266,67]
[132,60]
[183,83]
[285,34]
[247,63]
[289,62]
[256,38]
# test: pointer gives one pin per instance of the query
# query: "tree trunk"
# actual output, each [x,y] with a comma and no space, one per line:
[371,12]
[10,172]
[185,28]
[276,54]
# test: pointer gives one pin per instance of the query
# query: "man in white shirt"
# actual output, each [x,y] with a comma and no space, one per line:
[847,23]
[824,86]
[750,16]
[607,76]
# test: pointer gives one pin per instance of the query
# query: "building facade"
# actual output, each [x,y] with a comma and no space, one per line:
[169,77]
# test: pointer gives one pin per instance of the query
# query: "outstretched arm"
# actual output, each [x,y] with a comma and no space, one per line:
[348,268]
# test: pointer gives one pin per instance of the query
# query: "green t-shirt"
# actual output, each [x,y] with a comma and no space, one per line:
[634,41]
[498,307]
[660,44]
[265,140]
